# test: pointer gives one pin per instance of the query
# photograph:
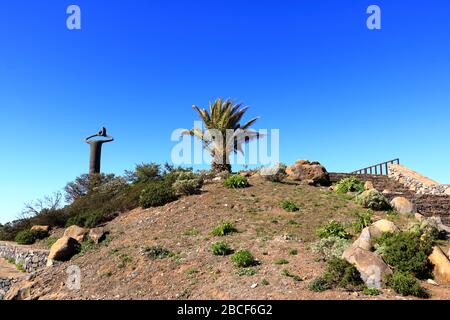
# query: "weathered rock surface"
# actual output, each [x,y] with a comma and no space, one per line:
[306,170]
[441,265]
[76,232]
[368,185]
[97,235]
[371,267]
[381,226]
[403,205]
[42,228]
[62,250]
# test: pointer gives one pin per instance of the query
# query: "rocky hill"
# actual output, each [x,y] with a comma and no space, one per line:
[166,252]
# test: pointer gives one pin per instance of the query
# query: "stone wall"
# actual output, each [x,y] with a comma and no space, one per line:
[31,259]
[416,182]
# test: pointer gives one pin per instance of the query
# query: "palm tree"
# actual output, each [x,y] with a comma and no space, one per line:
[224,134]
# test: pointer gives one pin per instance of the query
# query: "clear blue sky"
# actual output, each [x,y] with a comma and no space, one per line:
[339,93]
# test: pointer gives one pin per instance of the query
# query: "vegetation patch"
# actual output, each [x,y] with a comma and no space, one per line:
[221,248]
[289,206]
[236,181]
[371,291]
[243,259]
[351,184]
[223,229]
[363,220]
[286,273]
[281,261]
[156,193]
[331,247]
[246,272]
[373,199]
[406,284]
[30,236]
[333,228]
[187,183]
[157,252]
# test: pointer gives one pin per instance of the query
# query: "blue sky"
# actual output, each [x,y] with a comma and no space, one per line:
[339,93]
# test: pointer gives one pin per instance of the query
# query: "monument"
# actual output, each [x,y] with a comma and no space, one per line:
[96,149]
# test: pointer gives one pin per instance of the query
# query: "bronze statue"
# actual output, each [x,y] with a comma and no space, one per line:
[96,149]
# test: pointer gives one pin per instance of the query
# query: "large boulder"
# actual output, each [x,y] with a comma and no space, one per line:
[365,240]
[441,265]
[372,268]
[304,170]
[403,205]
[381,226]
[97,235]
[76,232]
[41,228]
[368,185]
[63,249]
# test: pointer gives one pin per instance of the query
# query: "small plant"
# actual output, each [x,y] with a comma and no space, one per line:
[157,252]
[281,261]
[265,282]
[406,252]
[191,232]
[246,272]
[407,285]
[124,260]
[221,248]
[243,259]
[156,193]
[286,273]
[330,247]
[363,219]
[236,181]
[351,184]
[223,229]
[371,291]
[289,206]
[293,252]
[319,284]
[373,199]
[294,223]
[333,228]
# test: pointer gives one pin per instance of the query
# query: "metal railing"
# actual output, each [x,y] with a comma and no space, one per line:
[377,169]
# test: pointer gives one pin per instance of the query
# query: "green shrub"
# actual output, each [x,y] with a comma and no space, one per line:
[236,181]
[156,193]
[243,259]
[430,229]
[281,261]
[351,184]
[319,284]
[91,219]
[293,252]
[363,219]
[144,173]
[287,273]
[246,272]
[333,228]
[289,206]
[406,284]
[187,183]
[406,252]
[30,236]
[371,291]
[156,252]
[330,247]
[373,199]
[223,229]
[221,248]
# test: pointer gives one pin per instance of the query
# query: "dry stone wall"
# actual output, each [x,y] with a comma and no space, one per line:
[30,259]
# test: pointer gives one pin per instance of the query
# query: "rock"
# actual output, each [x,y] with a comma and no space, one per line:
[245,174]
[76,232]
[253,286]
[432,282]
[386,191]
[403,205]
[364,240]
[20,291]
[441,265]
[418,216]
[97,235]
[447,191]
[306,170]
[381,226]
[368,185]
[42,228]
[372,268]
[62,250]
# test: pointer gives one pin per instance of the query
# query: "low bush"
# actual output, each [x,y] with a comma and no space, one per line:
[156,193]
[30,236]
[330,247]
[223,229]
[319,284]
[351,184]
[243,259]
[406,284]
[333,228]
[406,252]
[289,206]
[371,291]
[373,199]
[363,219]
[281,261]
[188,183]
[221,248]
[236,181]
[156,252]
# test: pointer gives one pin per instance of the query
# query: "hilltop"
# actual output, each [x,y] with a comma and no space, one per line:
[120,268]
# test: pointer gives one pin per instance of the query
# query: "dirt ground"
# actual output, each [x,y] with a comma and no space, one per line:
[116,269]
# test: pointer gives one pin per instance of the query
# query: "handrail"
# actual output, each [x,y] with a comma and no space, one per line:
[374,169]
